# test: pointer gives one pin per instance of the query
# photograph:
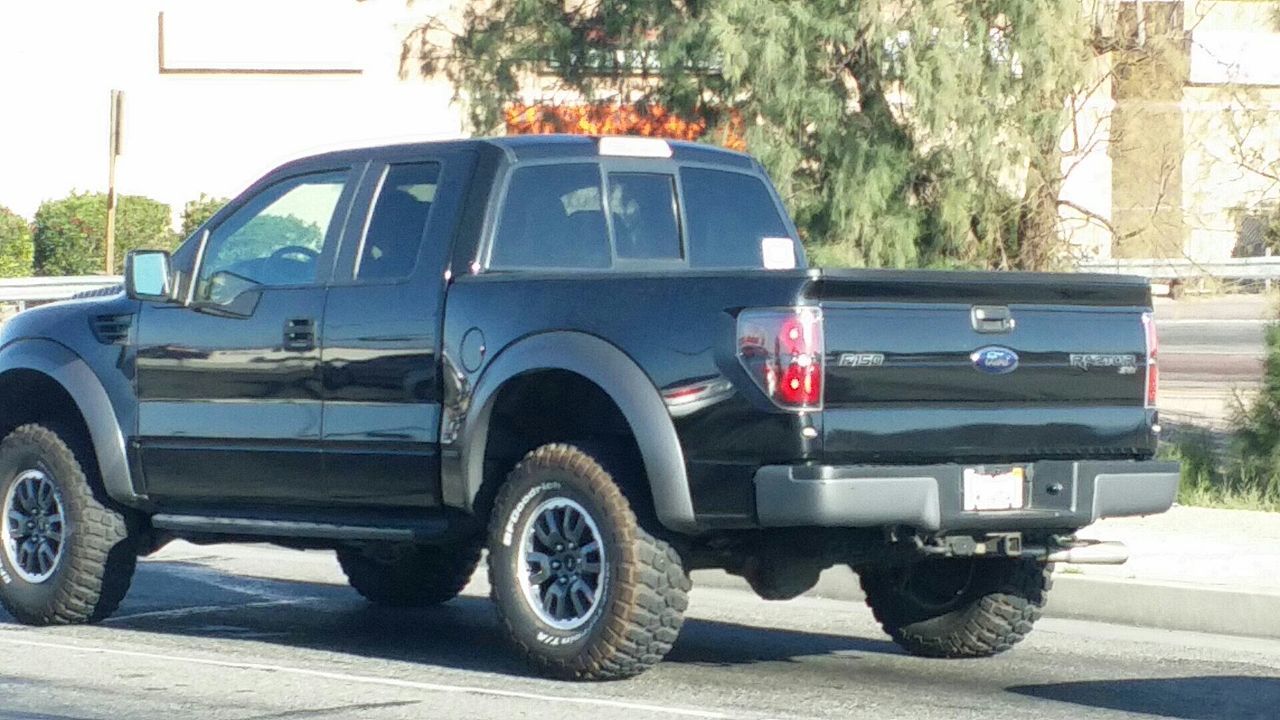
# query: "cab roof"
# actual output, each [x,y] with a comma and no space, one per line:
[518,148]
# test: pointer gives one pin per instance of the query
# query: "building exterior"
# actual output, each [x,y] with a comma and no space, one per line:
[216,91]
[1176,152]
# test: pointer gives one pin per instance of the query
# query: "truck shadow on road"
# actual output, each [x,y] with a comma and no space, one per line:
[210,608]
[1188,698]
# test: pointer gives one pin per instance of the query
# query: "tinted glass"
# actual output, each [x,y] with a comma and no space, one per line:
[642,207]
[274,239]
[728,215]
[394,234]
[552,219]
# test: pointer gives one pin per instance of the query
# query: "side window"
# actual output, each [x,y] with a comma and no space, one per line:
[642,207]
[729,214]
[394,232]
[273,240]
[552,218]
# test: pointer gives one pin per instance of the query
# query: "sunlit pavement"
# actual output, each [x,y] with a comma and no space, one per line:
[259,632]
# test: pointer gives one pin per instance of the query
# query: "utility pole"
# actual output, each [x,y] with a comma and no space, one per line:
[117,134]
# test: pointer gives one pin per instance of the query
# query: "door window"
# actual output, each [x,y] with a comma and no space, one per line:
[394,234]
[275,239]
[553,218]
[642,208]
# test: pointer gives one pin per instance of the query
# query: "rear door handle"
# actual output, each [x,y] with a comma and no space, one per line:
[299,334]
[991,319]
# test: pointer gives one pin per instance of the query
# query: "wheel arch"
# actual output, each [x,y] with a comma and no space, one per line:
[606,368]
[31,371]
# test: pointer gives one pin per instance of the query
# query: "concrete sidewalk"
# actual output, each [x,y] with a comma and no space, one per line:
[1198,569]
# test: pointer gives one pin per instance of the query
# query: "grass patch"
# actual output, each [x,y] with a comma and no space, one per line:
[1218,474]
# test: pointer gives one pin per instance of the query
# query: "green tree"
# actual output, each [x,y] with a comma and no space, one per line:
[196,212]
[70,234]
[15,245]
[899,134]
[266,233]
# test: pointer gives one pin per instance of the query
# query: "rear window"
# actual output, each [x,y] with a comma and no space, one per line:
[394,234]
[642,208]
[552,218]
[729,215]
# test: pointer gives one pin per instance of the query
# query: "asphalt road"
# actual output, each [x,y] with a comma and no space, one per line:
[201,637]
[1213,341]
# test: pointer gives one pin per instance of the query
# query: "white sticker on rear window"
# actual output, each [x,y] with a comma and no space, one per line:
[779,253]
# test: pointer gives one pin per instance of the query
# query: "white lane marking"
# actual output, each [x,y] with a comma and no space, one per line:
[1205,321]
[383,681]
[1167,352]
[203,609]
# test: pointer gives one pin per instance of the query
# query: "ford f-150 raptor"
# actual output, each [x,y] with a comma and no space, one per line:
[604,361]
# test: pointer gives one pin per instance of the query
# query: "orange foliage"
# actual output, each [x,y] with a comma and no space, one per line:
[611,119]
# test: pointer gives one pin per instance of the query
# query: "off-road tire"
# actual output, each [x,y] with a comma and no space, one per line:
[418,576]
[641,608]
[995,611]
[100,551]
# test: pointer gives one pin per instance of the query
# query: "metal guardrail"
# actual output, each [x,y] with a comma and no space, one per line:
[24,291]
[1182,269]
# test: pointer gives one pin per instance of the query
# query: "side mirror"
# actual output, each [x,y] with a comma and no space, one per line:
[147,276]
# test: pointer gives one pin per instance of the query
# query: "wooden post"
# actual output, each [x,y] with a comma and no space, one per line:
[117,133]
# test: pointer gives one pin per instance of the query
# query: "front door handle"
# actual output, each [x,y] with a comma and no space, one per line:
[299,334]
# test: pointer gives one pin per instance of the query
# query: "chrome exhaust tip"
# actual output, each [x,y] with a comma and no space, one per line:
[1090,552]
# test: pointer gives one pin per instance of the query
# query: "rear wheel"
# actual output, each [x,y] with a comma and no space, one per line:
[410,576]
[66,554]
[584,591]
[957,608]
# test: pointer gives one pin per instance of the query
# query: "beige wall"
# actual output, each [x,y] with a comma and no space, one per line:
[331,79]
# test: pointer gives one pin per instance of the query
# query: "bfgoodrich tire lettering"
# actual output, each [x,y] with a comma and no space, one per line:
[958,608]
[644,590]
[97,555]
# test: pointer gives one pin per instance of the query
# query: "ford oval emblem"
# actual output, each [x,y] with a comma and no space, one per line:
[995,360]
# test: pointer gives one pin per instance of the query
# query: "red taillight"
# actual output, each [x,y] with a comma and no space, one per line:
[1153,351]
[782,351]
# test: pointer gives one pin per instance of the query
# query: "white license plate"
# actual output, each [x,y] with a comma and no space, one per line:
[993,490]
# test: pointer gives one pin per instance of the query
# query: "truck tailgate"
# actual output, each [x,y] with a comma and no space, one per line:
[925,366]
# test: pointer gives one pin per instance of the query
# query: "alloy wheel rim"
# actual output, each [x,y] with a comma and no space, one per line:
[34,528]
[561,564]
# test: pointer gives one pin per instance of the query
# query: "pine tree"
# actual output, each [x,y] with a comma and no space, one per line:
[900,134]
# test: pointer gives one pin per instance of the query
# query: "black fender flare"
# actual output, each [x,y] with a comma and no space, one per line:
[617,375]
[69,370]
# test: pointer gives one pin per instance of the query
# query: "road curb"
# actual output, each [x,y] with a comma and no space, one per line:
[1165,606]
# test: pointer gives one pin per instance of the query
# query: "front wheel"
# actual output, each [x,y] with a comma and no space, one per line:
[957,608]
[583,590]
[66,554]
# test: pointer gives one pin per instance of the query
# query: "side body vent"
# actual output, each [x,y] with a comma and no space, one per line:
[111,329]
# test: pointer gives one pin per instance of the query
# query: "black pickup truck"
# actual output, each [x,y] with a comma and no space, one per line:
[602,359]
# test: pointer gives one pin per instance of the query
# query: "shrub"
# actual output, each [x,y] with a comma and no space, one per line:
[196,212]
[70,234]
[15,245]
[1257,442]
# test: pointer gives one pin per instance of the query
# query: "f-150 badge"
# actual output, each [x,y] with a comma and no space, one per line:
[995,360]
[863,359]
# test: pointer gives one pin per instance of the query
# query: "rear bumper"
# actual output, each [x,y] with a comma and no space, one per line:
[1058,494]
